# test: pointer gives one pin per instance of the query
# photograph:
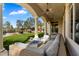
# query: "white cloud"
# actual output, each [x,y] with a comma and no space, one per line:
[21,12]
[4,17]
[18,12]
[13,13]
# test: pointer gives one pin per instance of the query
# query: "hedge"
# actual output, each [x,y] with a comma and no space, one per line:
[24,38]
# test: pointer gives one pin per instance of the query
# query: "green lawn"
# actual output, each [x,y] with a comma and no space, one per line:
[18,38]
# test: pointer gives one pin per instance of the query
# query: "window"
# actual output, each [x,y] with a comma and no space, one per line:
[72,23]
[77,24]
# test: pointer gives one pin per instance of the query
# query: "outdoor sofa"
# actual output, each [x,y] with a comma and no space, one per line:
[49,49]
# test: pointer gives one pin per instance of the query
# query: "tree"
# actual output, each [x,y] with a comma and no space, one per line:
[40,23]
[19,24]
[29,23]
[7,27]
[7,24]
[11,28]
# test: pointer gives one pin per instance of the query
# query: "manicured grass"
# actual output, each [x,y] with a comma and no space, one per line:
[18,38]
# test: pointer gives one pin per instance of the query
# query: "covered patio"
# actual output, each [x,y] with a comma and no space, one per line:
[57,20]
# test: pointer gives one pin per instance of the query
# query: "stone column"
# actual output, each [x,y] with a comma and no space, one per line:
[49,28]
[73,21]
[36,27]
[45,27]
[1,33]
[50,31]
[67,21]
[60,26]
[63,27]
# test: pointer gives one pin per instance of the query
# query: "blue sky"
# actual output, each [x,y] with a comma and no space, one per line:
[12,12]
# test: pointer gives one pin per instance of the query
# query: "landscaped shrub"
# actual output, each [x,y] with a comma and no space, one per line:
[41,34]
[16,38]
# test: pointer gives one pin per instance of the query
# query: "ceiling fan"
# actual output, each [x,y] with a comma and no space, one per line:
[49,11]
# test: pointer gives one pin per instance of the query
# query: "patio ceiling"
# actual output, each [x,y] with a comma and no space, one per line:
[56,10]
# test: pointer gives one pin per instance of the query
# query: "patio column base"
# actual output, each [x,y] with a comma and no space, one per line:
[36,36]
[3,52]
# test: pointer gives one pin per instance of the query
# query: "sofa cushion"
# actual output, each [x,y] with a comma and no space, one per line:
[47,44]
[53,48]
[53,36]
[32,51]
[45,38]
[35,50]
